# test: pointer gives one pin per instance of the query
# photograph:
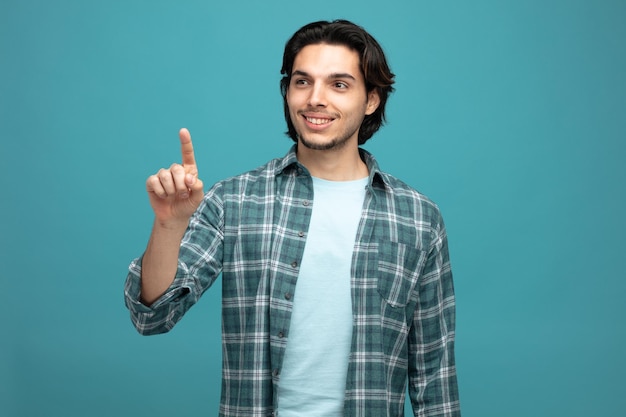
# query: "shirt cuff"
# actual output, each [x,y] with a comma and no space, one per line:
[132,290]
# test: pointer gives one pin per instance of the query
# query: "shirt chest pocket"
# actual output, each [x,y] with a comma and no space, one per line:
[399,269]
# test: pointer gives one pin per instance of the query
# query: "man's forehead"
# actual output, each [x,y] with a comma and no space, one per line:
[326,60]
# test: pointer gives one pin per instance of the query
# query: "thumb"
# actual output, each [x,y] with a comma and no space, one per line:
[195,186]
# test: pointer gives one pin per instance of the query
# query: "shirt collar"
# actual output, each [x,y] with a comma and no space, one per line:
[290,162]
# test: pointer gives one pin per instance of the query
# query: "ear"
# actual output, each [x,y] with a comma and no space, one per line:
[373,101]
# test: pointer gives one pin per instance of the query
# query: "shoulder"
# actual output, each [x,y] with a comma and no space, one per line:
[257,181]
[415,217]
[399,199]
[394,189]
[406,196]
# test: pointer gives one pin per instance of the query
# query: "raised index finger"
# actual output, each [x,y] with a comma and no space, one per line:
[186,148]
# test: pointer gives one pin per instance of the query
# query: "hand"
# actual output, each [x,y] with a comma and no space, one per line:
[175,193]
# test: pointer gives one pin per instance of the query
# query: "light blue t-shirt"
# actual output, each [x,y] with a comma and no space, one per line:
[313,376]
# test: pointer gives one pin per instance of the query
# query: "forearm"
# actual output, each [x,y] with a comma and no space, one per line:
[160,260]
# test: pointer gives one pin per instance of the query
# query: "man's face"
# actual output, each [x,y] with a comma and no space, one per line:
[327,98]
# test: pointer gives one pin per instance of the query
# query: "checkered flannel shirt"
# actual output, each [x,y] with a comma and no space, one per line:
[252,229]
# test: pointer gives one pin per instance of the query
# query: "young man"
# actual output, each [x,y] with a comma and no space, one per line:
[336,277]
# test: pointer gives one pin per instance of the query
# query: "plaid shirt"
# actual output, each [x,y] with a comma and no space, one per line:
[252,228]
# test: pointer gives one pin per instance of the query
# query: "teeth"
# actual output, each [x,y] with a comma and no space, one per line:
[317,121]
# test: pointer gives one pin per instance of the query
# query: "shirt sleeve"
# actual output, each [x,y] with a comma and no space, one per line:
[199,264]
[433,386]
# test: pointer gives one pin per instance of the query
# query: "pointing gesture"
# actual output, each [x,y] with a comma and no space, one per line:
[186,149]
[176,192]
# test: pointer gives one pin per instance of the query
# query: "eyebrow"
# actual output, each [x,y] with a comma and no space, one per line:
[333,76]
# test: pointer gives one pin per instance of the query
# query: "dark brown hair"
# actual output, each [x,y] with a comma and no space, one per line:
[374,68]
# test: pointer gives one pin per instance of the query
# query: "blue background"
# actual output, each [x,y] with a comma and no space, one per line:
[511,115]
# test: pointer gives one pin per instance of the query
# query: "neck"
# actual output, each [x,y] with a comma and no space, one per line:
[343,164]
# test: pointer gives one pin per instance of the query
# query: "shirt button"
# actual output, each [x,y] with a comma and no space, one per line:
[287,296]
[281,335]
[294,264]
[301,233]
[275,372]
[305,202]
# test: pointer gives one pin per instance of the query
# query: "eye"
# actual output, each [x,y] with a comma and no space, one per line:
[340,85]
[300,81]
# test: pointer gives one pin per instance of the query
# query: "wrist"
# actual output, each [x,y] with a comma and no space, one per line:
[171,226]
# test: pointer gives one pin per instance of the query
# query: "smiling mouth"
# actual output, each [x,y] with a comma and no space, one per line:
[317,120]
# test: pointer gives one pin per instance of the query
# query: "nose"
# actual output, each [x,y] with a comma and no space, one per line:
[317,98]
